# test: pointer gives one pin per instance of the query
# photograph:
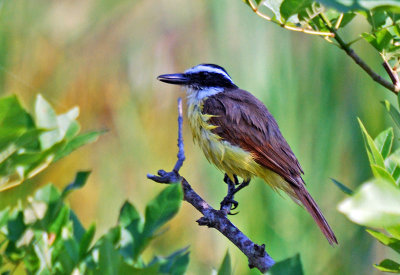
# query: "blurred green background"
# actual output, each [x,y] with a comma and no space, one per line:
[105,55]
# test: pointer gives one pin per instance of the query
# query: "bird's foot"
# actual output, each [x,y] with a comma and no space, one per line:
[228,203]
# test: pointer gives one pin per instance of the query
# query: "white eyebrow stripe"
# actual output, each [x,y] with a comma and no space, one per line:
[208,69]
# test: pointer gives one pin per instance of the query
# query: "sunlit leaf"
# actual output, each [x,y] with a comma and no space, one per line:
[389,266]
[376,204]
[394,231]
[388,241]
[274,6]
[46,118]
[380,172]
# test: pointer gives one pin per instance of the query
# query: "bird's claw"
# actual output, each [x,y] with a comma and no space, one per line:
[227,201]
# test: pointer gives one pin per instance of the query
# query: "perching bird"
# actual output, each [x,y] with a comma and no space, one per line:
[238,135]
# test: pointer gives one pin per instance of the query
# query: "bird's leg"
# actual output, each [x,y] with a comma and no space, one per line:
[228,203]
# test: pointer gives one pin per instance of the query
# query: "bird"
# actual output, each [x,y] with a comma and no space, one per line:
[239,135]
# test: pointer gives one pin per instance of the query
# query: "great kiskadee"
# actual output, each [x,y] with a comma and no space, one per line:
[238,135]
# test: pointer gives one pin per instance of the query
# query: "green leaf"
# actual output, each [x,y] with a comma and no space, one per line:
[289,266]
[374,155]
[61,220]
[158,211]
[48,194]
[382,238]
[162,208]
[380,40]
[392,164]
[109,258]
[77,142]
[393,112]
[131,220]
[12,115]
[86,240]
[394,231]
[176,263]
[78,229]
[380,172]
[377,18]
[292,7]
[79,181]
[342,187]
[129,215]
[361,5]
[225,267]
[16,226]
[68,255]
[398,95]
[384,142]
[389,266]
[376,204]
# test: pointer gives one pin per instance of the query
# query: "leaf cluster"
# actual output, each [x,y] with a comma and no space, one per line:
[327,17]
[30,143]
[46,237]
[376,203]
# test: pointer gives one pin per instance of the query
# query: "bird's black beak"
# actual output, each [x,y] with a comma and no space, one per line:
[178,79]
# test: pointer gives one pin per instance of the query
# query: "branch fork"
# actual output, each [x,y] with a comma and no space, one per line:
[212,218]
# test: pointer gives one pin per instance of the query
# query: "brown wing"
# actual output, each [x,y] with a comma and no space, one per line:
[243,120]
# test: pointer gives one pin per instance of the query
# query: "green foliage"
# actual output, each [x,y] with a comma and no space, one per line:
[376,203]
[46,237]
[29,143]
[226,265]
[43,235]
[289,266]
[325,15]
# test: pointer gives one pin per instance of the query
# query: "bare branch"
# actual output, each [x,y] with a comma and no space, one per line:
[256,254]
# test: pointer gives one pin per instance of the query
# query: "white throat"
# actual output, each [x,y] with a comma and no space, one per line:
[196,96]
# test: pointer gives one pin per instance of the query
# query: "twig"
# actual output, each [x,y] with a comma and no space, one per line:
[350,52]
[256,254]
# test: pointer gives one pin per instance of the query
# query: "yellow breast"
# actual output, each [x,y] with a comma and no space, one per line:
[229,158]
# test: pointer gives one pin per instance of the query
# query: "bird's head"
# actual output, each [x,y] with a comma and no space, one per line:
[202,76]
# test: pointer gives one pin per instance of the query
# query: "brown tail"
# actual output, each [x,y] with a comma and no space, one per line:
[313,209]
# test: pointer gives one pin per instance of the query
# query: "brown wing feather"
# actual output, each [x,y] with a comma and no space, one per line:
[244,121]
